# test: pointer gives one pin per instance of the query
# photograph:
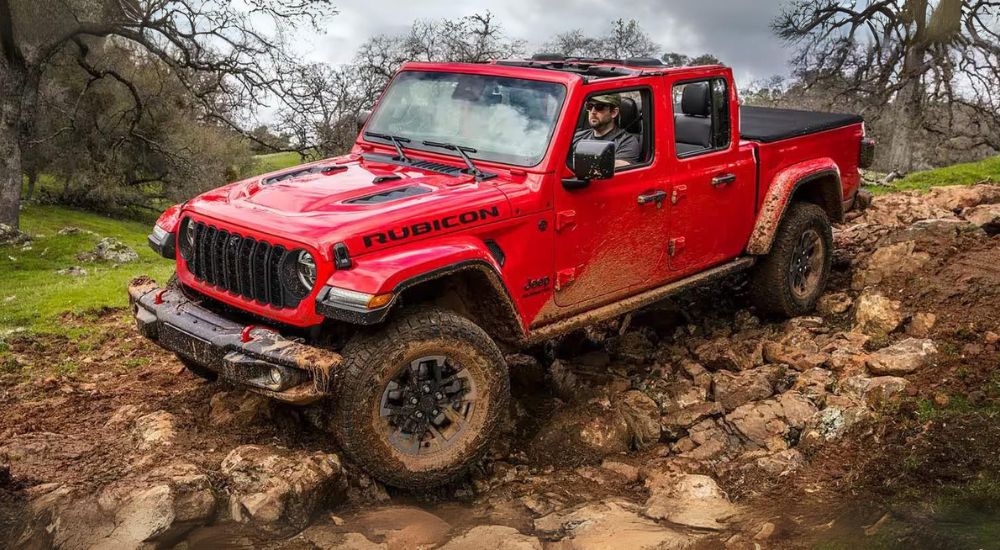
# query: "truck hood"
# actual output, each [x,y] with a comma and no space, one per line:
[361,202]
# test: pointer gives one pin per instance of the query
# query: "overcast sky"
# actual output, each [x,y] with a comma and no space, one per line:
[737,31]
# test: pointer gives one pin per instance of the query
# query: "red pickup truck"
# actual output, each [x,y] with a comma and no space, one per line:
[384,285]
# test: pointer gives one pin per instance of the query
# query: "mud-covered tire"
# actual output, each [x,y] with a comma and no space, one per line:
[372,360]
[774,287]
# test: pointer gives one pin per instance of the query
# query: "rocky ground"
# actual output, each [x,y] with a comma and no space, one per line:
[691,424]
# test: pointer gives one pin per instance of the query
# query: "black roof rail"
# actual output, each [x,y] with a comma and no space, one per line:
[643,62]
[548,57]
[588,69]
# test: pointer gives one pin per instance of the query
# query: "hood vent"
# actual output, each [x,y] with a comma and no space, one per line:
[390,195]
[327,169]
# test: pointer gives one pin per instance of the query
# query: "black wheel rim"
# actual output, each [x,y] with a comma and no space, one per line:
[427,405]
[806,267]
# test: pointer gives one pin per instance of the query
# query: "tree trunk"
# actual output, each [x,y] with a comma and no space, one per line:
[32,180]
[907,115]
[11,87]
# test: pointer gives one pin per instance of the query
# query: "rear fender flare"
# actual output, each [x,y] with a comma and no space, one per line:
[822,173]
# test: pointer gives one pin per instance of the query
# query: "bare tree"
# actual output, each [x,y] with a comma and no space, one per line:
[216,50]
[333,99]
[673,59]
[924,59]
[625,38]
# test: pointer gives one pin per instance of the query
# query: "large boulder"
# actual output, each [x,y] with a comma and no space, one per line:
[894,259]
[11,236]
[112,250]
[834,303]
[957,197]
[986,216]
[581,434]
[158,508]
[920,325]
[876,315]
[238,408]
[609,524]
[152,510]
[730,390]
[279,490]
[768,423]
[674,424]
[642,415]
[875,390]
[724,353]
[691,500]
[156,429]
[902,358]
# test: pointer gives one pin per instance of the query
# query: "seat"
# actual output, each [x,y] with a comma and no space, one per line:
[630,116]
[693,125]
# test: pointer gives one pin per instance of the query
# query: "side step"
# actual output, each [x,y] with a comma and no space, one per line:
[633,303]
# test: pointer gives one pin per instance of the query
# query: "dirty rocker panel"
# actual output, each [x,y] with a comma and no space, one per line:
[255,357]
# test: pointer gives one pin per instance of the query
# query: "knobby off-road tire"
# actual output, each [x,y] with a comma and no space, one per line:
[790,279]
[447,363]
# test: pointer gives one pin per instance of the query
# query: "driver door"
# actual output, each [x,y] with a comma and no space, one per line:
[608,240]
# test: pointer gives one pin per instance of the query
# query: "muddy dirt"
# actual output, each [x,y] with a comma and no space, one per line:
[692,423]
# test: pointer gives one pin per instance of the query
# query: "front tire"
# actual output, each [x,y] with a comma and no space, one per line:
[420,400]
[790,279]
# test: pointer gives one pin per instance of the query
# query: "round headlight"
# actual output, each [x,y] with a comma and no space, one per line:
[185,239]
[306,269]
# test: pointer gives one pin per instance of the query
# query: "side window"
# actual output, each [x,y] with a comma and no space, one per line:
[701,117]
[624,116]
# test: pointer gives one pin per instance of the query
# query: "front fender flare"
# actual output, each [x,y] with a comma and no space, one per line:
[779,195]
[397,269]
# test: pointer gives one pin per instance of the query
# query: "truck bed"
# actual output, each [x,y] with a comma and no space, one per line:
[765,124]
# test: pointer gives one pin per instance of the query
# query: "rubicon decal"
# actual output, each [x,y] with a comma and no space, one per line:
[404,232]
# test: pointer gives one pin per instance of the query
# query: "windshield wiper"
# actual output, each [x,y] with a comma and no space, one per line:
[461,150]
[397,142]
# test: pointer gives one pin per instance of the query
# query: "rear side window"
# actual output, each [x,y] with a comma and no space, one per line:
[701,117]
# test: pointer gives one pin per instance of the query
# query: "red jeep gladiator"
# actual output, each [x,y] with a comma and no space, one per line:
[382,285]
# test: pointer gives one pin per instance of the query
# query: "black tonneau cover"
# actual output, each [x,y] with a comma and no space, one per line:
[766,124]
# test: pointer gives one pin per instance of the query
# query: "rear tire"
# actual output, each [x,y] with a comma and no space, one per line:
[421,399]
[790,279]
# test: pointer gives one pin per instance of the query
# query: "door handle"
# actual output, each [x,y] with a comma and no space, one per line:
[723,179]
[657,196]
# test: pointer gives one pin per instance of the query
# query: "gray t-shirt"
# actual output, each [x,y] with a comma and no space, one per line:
[627,146]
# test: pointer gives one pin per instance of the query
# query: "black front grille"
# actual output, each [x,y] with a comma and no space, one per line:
[240,265]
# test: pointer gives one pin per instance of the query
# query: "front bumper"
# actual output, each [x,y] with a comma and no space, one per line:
[257,358]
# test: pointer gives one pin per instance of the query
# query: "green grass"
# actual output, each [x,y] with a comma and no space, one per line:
[34,297]
[987,170]
[276,161]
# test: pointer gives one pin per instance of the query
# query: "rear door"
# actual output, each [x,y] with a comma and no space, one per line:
[713,179]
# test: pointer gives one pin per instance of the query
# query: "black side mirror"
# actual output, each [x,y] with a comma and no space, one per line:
[593,159]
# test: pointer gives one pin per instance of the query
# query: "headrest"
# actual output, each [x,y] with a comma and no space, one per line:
[695,99]
[628,113]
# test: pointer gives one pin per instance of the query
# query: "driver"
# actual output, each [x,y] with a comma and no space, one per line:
[602,115]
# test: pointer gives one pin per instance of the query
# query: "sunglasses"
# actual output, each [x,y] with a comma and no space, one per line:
[599,107]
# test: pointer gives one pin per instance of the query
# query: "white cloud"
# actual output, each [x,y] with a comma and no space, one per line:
[736,31]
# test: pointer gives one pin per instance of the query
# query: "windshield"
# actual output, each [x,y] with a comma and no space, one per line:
[505,120]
